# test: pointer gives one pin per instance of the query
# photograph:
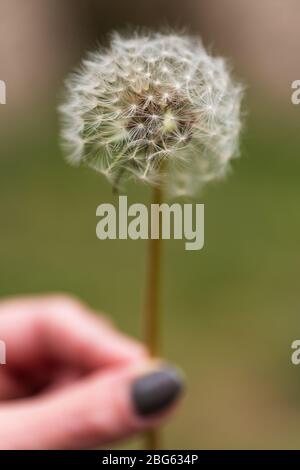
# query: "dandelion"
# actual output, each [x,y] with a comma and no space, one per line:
[155,108]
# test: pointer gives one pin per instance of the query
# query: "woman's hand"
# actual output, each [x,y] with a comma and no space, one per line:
[72,380]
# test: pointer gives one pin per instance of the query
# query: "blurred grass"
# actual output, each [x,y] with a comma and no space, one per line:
[230,311]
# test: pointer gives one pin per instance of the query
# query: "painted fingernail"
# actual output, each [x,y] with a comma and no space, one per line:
[157,390]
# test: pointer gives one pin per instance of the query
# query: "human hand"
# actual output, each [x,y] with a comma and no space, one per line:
[72,380]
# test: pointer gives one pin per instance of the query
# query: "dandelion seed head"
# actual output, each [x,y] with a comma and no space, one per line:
[150,99]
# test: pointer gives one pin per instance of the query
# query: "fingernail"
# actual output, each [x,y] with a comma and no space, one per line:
[156,390]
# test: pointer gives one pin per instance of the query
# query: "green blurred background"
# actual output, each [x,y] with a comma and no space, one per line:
[230,311]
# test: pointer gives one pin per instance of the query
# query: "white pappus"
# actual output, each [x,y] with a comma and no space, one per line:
[156,107]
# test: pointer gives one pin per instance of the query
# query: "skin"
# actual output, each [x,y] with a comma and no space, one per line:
[66,384]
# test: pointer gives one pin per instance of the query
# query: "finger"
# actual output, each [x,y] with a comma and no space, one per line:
[11,387]
[101,409]
[77,336]
[65,329]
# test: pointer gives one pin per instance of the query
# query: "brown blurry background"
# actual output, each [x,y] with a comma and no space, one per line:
[232,310]
[40,39]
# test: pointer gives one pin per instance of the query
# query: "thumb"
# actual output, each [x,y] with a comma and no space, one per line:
[104,407]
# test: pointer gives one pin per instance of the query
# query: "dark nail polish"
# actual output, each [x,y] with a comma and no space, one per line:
[156,391]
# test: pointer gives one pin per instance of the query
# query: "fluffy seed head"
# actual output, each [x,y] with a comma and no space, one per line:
[155,107]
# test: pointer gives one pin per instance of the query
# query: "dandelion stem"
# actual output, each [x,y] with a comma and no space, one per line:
[152,312]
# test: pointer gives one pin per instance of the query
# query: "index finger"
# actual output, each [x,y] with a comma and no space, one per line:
[62,328]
